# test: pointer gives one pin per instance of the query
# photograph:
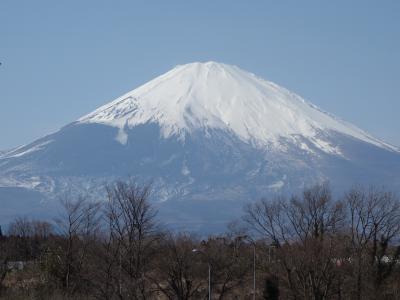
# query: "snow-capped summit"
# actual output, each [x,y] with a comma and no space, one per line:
[218,96]
[210,137]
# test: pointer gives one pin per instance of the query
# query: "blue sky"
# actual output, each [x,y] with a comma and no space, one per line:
[62,59]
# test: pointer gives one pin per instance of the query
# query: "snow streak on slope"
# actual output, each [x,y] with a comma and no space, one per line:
[23,150]
[219,96]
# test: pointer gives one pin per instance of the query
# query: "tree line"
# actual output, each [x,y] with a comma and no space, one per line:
[308,246]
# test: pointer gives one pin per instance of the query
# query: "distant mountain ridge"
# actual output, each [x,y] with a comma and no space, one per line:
[208,135]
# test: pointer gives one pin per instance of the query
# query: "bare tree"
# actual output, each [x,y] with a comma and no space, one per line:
[41,229]
[4,258]
[27,235]
[304,230]
[20,227]
[78,226]
[21,232]
[231,262]
[374,223]
[104,268]
[176,273]
[133,232]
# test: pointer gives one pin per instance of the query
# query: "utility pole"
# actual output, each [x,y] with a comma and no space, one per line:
[246,237]
[209,271]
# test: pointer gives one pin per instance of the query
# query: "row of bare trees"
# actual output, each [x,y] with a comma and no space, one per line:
[332,249]
[309,246]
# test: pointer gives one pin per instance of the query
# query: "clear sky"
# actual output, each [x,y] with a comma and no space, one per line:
[62,59]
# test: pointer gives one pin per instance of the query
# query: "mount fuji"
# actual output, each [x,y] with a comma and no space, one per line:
[209,136]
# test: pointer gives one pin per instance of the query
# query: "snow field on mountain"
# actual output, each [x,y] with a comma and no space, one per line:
[219,96]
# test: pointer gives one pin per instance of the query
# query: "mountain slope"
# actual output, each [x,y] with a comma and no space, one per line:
[210,137]
[219,96]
